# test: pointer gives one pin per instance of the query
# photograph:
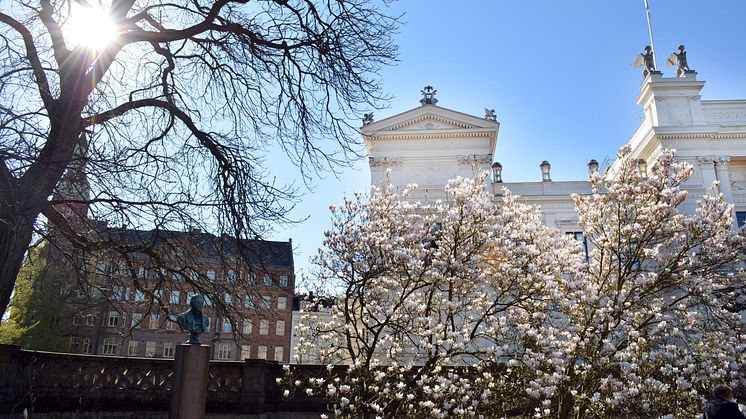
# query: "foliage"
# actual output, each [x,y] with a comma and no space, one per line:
[491,312]
[39,308]
[172,119]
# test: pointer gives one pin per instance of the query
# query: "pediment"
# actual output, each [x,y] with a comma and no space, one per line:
[428,118]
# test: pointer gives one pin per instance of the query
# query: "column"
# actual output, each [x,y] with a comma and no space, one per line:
[707,168]
[721,171]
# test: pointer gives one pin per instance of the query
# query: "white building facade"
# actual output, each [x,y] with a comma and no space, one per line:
[430,144]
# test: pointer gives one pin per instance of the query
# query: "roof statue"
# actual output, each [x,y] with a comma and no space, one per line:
[645,60]
[368,118]
[490,115]
[428,96]
[679,60]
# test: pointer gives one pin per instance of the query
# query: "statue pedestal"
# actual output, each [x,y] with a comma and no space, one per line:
[191,372]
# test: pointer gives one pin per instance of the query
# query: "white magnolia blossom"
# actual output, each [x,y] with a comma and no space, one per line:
[472,306]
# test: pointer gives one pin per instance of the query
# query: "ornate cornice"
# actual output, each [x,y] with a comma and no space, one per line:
[476,159]
[692,136]
[383,161]
[429,117]
[430,136]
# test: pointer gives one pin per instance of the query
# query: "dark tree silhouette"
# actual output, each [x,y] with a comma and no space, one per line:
[171,120]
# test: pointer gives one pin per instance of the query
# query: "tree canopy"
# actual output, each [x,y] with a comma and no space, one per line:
[172,117]
[473,306]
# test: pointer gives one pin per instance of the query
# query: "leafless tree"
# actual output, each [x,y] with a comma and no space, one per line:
[173,117]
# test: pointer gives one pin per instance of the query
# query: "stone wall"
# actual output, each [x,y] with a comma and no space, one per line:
[51,384]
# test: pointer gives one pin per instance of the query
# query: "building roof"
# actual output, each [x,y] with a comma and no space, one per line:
[255,252]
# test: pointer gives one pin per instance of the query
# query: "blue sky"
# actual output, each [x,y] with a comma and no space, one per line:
[558,74]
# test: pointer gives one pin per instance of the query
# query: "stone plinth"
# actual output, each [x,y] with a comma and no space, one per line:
[191,373]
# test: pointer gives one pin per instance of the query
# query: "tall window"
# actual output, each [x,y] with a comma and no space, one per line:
[261,352]
[228,299]
[142,272]
[177,276]
[741,218]
[87,347]
[113,319]
[248,325]
[132,348]
[578,235]
[170,324]
[279,353]
[225,351]
[90,319]
[267,280]
[211,275]
[252,279]
[263,327]
[168,349]
[74,343]
[139,296]
[136,319]
[110,346]
[280,328]
[245,351]
[282,303]
[227,327]
[77,319]
[150,349]
[155,320]
[175,297]
[249,301]
[119,293]
[283,281]
[266,302]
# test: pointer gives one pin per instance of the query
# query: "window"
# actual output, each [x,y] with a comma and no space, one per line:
[113,319]
[267,280]
[175,297]
[158,294]
[211,275]
[741,218]
[120,293]
[228,299]
[266,301]
[225,351]
[279,353]
[245,351]
[249,301]
[231,276]
[283,281]
[132,348]
[170,324]
[194,275]
[102,268]
[248,326]
[154,322]
[139,296]
[227,328]
[282,303]
[168,349]
[90,320]
[578,235]
[142,272]
[280,328]
[122,268]
[150,349]
[136,319]
[87,346]
[208,301]
[178,277]
[77,319]
[74,343]
[263,327]
[261,352]
[252,279]
[110,346]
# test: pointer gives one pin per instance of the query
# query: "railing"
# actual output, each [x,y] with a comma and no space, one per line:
[54,382]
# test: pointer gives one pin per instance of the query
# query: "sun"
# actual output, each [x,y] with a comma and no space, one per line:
[89,27]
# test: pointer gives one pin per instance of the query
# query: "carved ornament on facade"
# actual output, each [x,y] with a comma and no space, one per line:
[706,160]
[476,158]
[722,161]
[383,161]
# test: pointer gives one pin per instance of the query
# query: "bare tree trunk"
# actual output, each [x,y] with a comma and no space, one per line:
[15,235]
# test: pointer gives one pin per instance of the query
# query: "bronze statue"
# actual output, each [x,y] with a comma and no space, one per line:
[490,115]
[428,96]
[679,60]
[368,118]
[194,320]
[645,60]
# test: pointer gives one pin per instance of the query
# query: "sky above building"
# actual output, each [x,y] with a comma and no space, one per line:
[557,73]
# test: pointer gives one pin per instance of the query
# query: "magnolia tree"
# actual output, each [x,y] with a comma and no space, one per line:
[437,304]
[473,306]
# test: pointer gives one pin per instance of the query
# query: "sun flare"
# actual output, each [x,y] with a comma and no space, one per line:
[90,27]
